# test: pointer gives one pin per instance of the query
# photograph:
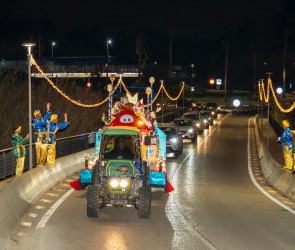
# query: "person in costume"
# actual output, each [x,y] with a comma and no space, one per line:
[19,150]
[287,143]
[39,124]
[48,146]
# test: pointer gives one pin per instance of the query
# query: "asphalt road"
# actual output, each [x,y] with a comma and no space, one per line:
[215,205]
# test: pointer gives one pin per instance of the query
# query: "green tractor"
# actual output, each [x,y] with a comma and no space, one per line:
[120,177]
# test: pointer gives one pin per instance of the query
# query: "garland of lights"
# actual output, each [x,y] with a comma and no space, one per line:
[265,96]
[120,82]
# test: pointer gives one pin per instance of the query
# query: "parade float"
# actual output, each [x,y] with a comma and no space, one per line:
[129,161]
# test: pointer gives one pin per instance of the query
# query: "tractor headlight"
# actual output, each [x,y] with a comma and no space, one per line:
[114,183]
[123,183]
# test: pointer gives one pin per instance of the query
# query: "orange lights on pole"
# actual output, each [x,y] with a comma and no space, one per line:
[212,81]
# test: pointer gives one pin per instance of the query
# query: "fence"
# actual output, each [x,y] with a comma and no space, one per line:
[64,146]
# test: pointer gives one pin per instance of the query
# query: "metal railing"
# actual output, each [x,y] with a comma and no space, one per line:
[64,146]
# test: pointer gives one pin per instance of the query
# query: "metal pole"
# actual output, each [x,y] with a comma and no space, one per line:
[29,46]
[268,97]
[162,101]
[268,121]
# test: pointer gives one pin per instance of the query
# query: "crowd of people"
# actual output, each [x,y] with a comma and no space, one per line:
[44,136]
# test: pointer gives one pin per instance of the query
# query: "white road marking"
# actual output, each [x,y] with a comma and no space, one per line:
[40,207]
[46,201]
[51,210]
[33,215]
[52,195]
[26,224]
[256,183]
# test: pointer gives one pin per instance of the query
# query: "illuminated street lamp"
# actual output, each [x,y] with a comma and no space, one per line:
[52,45]
[279,90]
[29,46]
[108,42]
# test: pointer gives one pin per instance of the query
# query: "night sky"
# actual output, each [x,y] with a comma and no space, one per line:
[198,29]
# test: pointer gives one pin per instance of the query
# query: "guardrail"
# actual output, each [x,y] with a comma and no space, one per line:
[64,146]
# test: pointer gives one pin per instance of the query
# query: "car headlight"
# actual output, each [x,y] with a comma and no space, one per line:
[174,140]
[190,130]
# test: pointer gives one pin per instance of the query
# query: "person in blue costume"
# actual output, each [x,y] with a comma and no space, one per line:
[19,150]
[48,146]
[39,124]
[287,144]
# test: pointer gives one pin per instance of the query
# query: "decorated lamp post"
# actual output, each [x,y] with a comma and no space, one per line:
[29,46]
[109,89]
[152,81]
[148,91]
[162,106]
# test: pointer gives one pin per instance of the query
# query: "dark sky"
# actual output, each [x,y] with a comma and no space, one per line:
[198,28]
[190,18]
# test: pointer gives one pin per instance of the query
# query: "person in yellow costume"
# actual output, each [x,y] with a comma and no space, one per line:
[39,124]
[19,150]
[48,146]
[287,144]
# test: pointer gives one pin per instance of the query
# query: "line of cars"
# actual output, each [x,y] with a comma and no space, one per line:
[188,126]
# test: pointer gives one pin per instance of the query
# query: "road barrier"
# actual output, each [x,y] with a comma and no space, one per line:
[281,179]
[17,196]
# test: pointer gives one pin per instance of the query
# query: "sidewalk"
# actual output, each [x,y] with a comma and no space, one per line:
[270,139]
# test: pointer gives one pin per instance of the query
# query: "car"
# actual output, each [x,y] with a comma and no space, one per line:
[187,127]
[174,141]
[197,118]
[207,117]
[197,106]
[213,107]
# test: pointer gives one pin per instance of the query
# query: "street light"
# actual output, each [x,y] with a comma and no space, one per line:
[29,46]
[52,45]
[108,42]
[193,75]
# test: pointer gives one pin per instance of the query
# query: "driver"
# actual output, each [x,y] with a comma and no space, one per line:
[121,151]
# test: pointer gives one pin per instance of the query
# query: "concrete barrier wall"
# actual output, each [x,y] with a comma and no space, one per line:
[281,179]
[17,196]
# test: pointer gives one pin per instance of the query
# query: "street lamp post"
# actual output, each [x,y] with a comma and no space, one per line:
[261,116]
[152,81]
[108,42]
[162,85]
[52,45]
[268,96]
[29,46]
[108,59]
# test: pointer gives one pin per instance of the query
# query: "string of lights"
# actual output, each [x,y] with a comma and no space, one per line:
[265,96]
[120,82]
